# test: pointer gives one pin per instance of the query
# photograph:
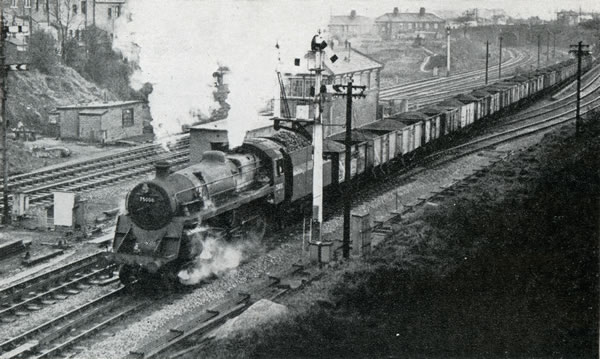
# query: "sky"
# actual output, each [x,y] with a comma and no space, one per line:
[182,42]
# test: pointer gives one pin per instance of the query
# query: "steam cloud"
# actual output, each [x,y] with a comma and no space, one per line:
[217,257]
[180,43]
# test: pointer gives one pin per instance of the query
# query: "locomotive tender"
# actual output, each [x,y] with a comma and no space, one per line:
[232,193]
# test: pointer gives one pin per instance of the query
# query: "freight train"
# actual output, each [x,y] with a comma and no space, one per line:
[233,193]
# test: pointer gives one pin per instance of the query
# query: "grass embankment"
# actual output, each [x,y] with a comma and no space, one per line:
[505,268]
[403,61]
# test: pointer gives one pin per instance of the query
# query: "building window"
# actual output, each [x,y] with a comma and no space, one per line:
[13,3]
[77,35]
[28,4]
[70,34]
[310,83]
[37,5]
[435,26]
[118,11]
[296,88]
[128,117]
[74,9]
[109,12]
[83,7]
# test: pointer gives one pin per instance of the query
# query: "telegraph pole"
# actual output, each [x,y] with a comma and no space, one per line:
[539,39]
[500,61]
[548,49]
[579,50]
[4,68]
[3,94]
[487,59]
[448,51]
[347,163]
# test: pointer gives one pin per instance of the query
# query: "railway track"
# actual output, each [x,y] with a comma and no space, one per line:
[426,86]
[60,336]
[96,173]
[431,91]
[18,299]
[486,146]
[425,100]
[200,325]
[30,178]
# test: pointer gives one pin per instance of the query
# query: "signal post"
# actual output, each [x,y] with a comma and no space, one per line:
[4,68]
[317,46]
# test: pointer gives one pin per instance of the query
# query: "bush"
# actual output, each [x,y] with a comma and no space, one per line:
[42,49]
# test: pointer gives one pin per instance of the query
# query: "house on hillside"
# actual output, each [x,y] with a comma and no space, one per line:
[392,25]
[102,121]
[299,85]
[343,27]
[74,16]
[567,18]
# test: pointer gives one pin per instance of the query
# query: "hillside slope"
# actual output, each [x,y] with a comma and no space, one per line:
[32,94]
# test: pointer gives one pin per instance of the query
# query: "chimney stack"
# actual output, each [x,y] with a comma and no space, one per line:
[163,169]
[396,11]
[352,14]
[422,11]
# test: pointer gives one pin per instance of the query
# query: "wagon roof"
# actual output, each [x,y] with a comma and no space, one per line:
[357,135]
[411,115]
[433,110]
[463,97]
[451,102]
[333,146]
[480,93]
[385,124]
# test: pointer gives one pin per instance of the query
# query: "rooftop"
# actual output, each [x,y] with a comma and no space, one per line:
[349,61]
[409,17]
[352,19]
[98,112]
[98,105]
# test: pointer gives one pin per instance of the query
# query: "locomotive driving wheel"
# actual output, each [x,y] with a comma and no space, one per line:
[254,226]
[127,275]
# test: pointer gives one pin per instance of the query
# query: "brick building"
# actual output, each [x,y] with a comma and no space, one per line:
[393,24]
[102,122]
[351,63]
[73,15]
[343,27]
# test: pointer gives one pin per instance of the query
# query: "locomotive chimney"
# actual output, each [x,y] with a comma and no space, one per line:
[163,168]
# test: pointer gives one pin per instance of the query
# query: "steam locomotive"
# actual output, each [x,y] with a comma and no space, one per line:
[227,194]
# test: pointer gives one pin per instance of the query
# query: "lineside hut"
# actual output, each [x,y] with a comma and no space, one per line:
[102,121]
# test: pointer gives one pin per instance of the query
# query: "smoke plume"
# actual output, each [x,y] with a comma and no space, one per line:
[217,257]
[180,43]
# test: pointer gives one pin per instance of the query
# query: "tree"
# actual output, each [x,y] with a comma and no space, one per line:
[104,66]
[64,20]
[593,24]
[465,21]
[42,52]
